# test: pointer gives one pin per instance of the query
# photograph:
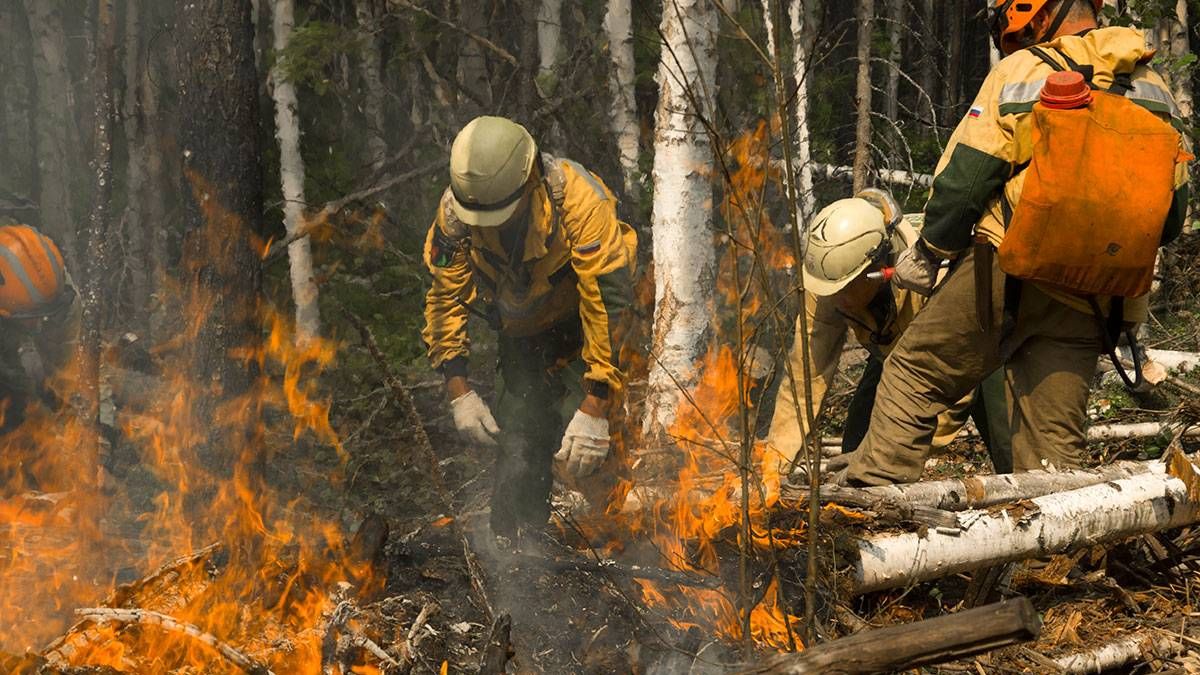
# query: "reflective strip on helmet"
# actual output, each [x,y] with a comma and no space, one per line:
[53,259]
[22,274]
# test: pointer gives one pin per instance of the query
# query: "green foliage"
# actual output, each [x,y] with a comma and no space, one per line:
[311,52]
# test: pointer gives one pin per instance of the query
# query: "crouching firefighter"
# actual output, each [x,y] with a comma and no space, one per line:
[39,321]
[851,247]
[1054,194]
[532,242]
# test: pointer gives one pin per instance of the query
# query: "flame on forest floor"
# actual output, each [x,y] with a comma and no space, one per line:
[696,519]
[66,537]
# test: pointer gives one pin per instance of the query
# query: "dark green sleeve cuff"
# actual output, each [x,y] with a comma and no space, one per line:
[455,367]
[598,389]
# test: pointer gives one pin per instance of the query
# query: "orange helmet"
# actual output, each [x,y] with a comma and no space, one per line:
[1010,17]
[32,275]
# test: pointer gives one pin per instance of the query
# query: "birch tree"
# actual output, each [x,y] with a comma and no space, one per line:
[897,20]
[291,174]
[862,137]
[549,32]
[370,68]
[618,26]
[803,15]
[1173,39]
[684,258]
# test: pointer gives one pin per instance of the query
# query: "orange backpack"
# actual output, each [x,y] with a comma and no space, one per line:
[1096,195]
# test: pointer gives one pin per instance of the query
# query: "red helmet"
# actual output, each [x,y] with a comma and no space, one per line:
[1010,17]
[32,275]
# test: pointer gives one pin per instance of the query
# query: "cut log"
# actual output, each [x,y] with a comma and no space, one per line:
[976,492]
[924,643]
[1123,652]
[1055,523]
[1113,432]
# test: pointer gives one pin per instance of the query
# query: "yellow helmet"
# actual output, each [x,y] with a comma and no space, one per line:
[845,238]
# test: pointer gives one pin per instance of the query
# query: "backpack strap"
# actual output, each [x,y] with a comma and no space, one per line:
[555,180]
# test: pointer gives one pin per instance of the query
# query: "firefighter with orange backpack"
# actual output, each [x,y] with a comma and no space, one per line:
[1051,200]
[39,320]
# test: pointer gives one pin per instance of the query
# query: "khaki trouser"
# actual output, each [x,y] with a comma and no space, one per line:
[1049,359]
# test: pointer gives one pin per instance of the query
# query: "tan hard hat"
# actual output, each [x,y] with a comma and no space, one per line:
[843,240]
[490,162]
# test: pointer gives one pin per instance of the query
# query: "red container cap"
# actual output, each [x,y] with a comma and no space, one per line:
[1066,90]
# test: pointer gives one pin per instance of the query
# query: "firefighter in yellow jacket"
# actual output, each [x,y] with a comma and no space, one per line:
[532,243]
[849,245]
[1047,339]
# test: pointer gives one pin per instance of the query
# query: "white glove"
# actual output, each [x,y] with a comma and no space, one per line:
[584,445]
[473,419]
[917,268]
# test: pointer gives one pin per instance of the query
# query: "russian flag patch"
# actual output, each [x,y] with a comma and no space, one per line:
[975,112]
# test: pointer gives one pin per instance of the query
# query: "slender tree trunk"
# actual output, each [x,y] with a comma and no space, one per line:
[862,137]
[137,255]
[618,25]
[684,258]
[897,24]
[549,31]
[92,295]
[291,172]
[370,68]
[223,202]
[956,17]
[929,74]
[1173,38]
[472,61]
[803,14]
[18,152]
[55,123]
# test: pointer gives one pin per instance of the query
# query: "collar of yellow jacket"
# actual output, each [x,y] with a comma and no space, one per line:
[539,223]
[1120,48]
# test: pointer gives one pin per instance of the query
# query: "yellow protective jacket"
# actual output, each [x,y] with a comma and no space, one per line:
[877,328]
[992,145]
[576,261]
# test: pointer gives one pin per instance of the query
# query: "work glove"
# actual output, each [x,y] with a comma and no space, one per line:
[584,445]
[917,268]
[473,419]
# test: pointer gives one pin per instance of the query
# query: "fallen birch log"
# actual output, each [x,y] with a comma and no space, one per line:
[976,492]
[1114,432]
[1119,654]
[1169,359]
[923,643]
[1043,526]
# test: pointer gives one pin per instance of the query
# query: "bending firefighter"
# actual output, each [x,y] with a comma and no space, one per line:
[848,245]
[39,320]
[1053,197]
[532,243]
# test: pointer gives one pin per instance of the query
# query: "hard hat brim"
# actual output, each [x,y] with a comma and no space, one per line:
[823,288]
[489,218]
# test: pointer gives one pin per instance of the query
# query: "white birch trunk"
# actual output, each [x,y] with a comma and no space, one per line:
[549,32]
[618,25]
[1123,652]
[979,492]
[472,61]
[1056,523]
[684,256]
[370,67]
[291,173]
[1173,36]
[803,16]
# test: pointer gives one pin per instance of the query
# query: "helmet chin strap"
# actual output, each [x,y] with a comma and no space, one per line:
[1064,9]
